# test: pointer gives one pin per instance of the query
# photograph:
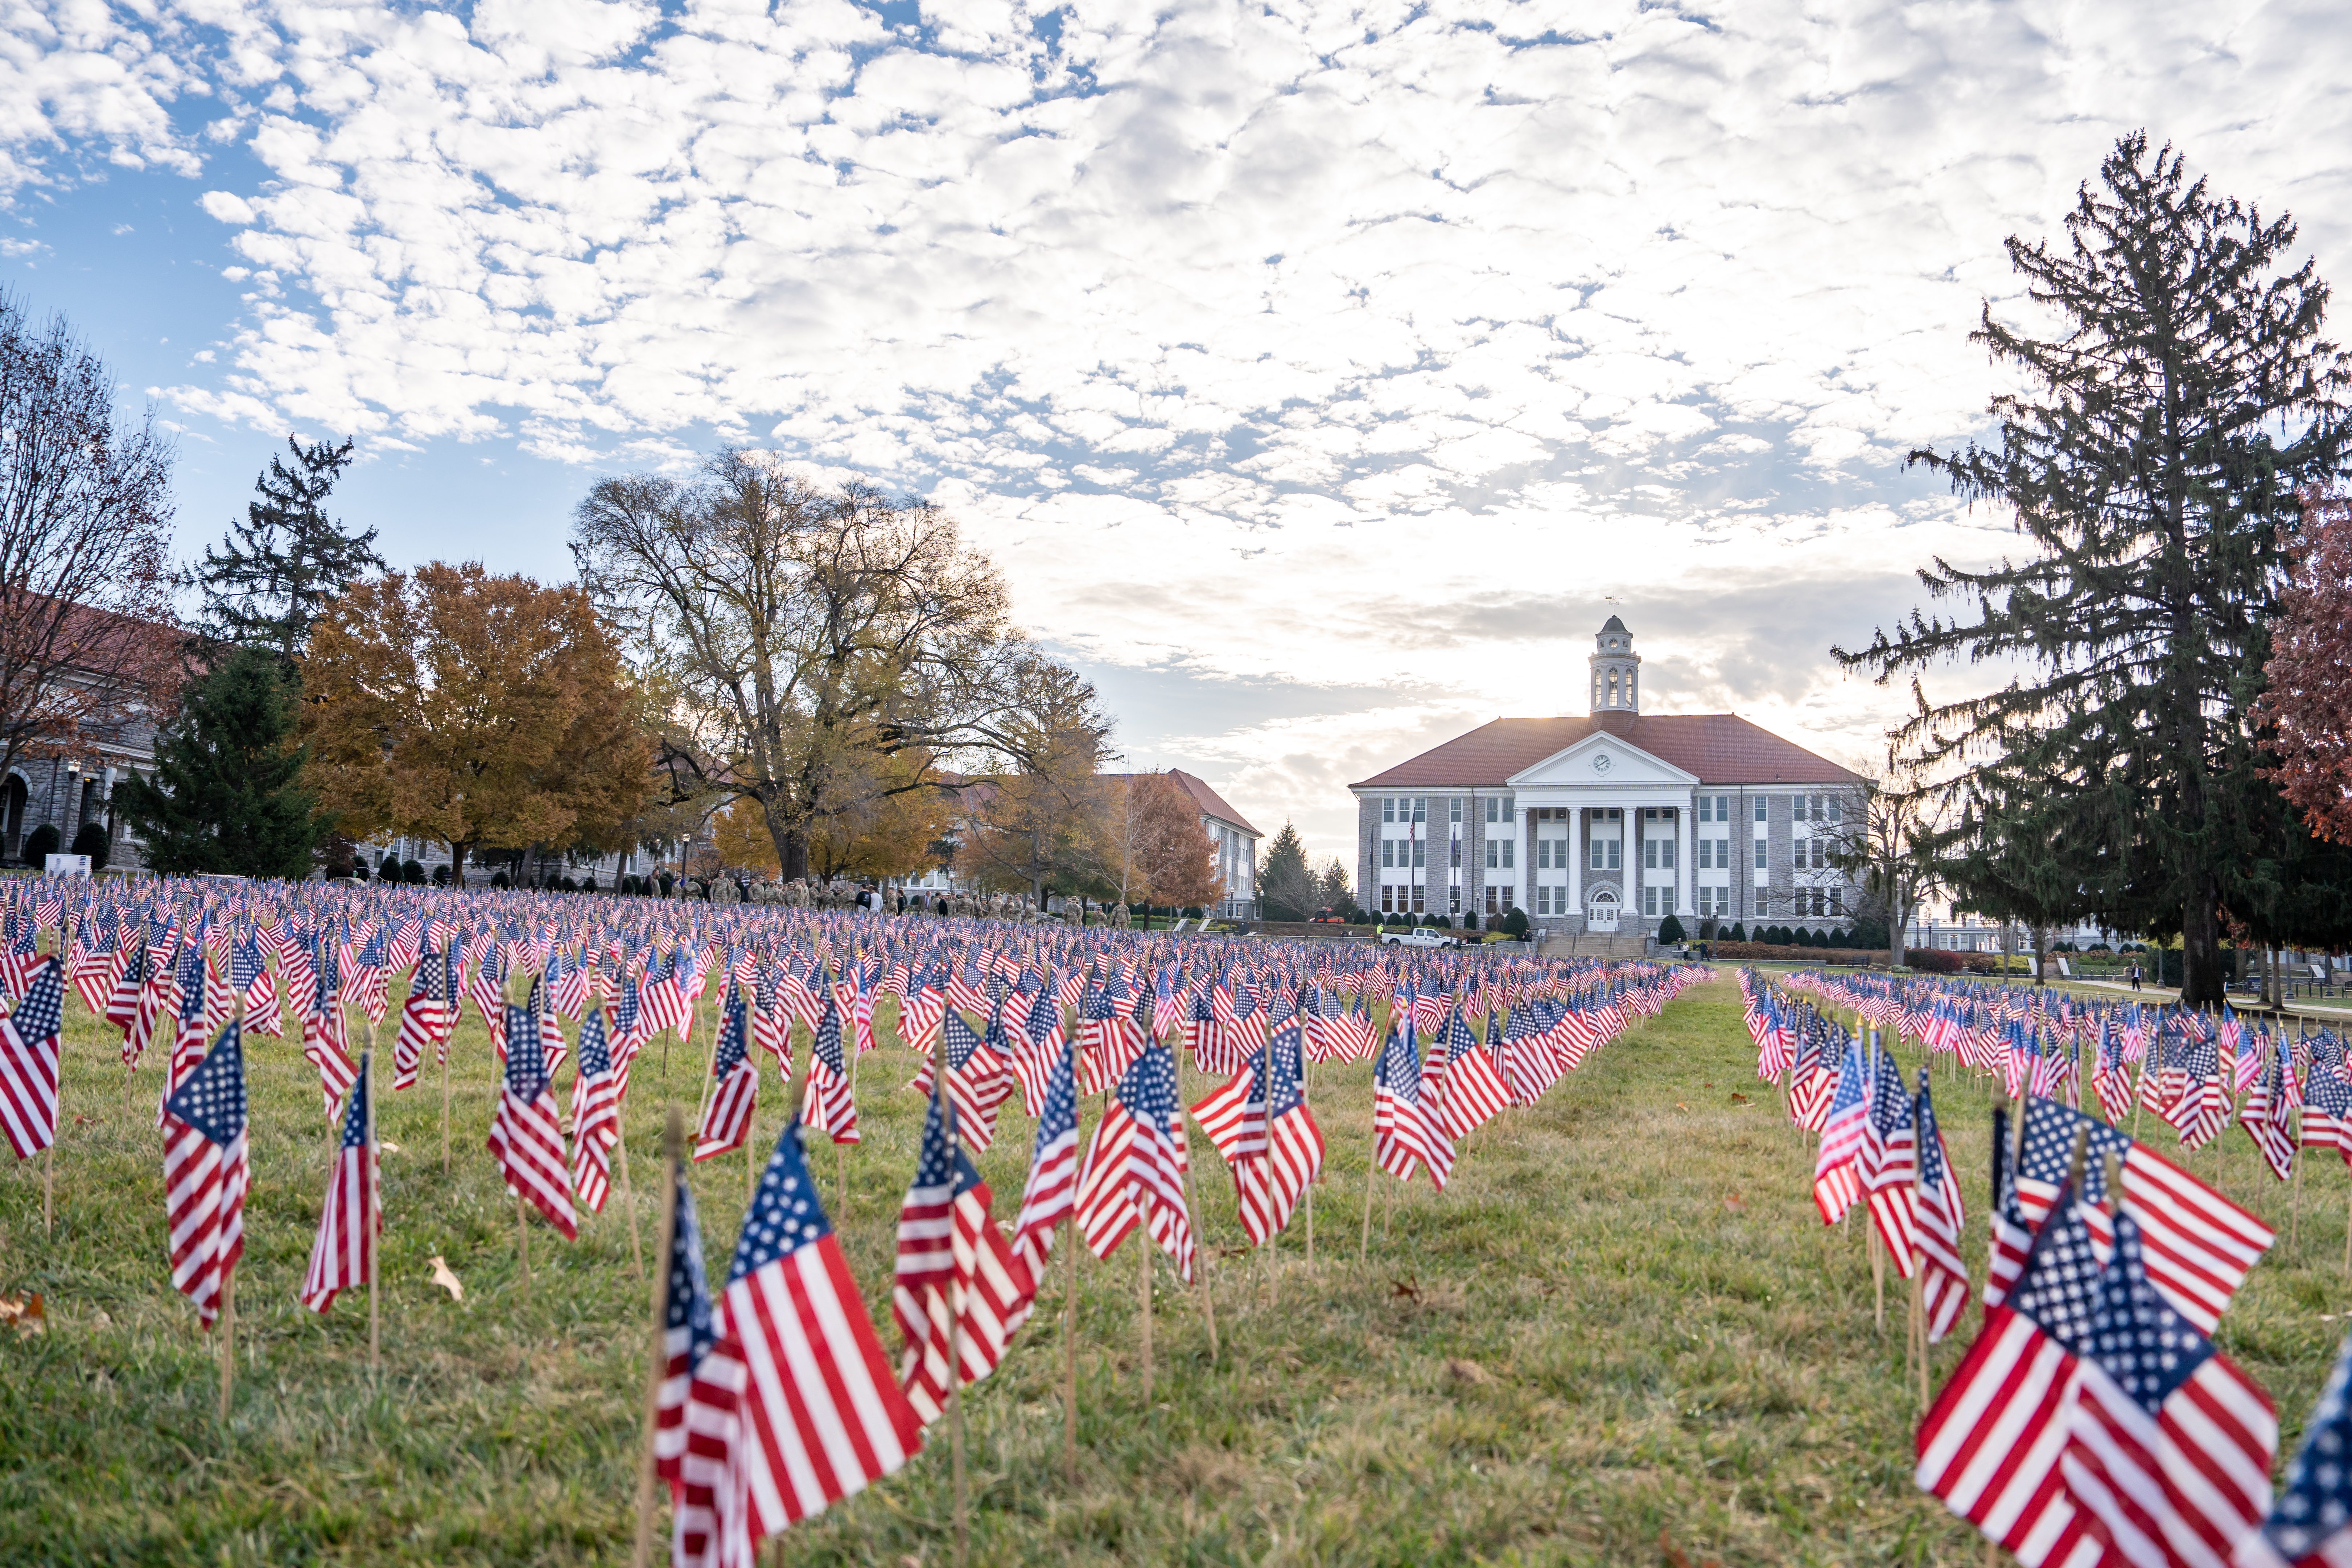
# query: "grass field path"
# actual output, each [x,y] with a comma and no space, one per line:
[1622,1319]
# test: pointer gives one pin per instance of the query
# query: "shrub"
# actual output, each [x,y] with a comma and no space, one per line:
[40,844]
[94,842]
[388,868]
[1670,929]
[1516,922]
[667,882]
[440,876]
[1929,961]
[1191,911]
[359,868]
[498,879]
[1738,933]
[412,871]
[1470,922]
[1441,923]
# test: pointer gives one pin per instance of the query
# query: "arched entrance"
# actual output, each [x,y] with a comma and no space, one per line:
[1602,913]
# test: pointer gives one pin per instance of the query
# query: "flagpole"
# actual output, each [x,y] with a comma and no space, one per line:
[1070,1353]
[955,1303]
[228,1277]
[451,1007]
[523,1226]
[374,1206]
[658,1366]
[628,1196]
[1143,1250]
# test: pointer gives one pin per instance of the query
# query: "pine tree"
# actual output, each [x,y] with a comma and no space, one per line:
[226,795]
[1285,883]
[264,586]
[2184,396]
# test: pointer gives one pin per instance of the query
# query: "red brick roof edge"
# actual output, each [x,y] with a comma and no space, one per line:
[1720,748]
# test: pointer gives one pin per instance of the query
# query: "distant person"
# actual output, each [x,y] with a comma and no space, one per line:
[2135,976]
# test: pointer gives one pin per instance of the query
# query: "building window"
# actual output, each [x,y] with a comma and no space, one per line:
[1490,898]
[1416,899]
[1543,900]
[1456,852]
[1650,902]
[1763,856]
[1419,853]
[1453,809]
[1421,808]
[1837,902]
[1706,854]
[1388,853]
[1494,853]
[1454,900]
[1387,808]
[1763,811]
[1650,853]
[1511,854]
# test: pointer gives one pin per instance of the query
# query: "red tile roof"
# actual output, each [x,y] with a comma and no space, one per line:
[1720,748]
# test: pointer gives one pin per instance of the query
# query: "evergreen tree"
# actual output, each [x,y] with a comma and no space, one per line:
[226,795]
[2185,396]
[264,586]
[1284,882]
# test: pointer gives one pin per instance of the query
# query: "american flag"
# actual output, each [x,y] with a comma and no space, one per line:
[827,1104]
[1037,1051]
[823,1416]
[2310,1526]
[98,958]
[1233,1119]
[695,1418]
[420,1024]
[1405,1134]
[1836,1184]
[29,1063]
[1992,1444]
[1294,1144]
[595,1114]
[343,1256]
[206,1172]
[323,1033]
[1943,1283]
[978,1076]
[1472,1093]
[1134,1169]
[2266,1119]
[953,1263]
[2199,1245]
[2170,1444]
[249,975]
[735,1096]
[1889,1165]
[2327,1114]
[1052,1190]
[526,1139]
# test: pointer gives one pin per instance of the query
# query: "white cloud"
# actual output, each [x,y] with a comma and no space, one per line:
[1296,343]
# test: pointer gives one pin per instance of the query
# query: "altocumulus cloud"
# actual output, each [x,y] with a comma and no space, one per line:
[1332,363]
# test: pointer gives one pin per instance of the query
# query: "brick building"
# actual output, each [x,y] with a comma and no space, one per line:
[1613,821]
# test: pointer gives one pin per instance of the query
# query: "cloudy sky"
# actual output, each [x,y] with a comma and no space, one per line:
[1319,376]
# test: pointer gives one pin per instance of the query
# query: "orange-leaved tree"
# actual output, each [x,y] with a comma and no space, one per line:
[482,711]
[2308,704]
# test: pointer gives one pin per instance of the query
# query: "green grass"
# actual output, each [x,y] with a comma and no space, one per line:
[1622,1319]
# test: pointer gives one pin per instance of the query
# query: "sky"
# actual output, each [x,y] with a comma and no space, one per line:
[1320,376]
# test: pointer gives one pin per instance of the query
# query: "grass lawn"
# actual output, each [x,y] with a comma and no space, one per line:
[1622,1319]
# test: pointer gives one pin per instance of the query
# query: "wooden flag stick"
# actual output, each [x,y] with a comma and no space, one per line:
[444,1047]
[658,1360]
[1201,1260]
[49,1187]
[1143,1250]
[1877,1275]
[522,1243]
[941,1098]
[375,1206]
[1070,1353]
[1364,1242]
[228,1341]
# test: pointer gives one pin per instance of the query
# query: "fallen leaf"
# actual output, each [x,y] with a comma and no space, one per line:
[1404,1287]
[99,1320]
[1675,1558]
[387,1143]
[1680,1106]
[24,1314]
[1739,1100]
[446,1280]
[1734,1203]
[1468,1371]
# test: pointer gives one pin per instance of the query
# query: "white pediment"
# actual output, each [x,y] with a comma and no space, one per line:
[1601,759]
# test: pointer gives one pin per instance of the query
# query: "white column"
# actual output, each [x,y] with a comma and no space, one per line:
[1576,861]
[1684,876]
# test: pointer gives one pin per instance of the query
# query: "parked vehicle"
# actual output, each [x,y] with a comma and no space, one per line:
[1423,936]
[1326,917]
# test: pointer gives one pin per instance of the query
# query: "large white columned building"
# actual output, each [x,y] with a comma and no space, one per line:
[1613,821]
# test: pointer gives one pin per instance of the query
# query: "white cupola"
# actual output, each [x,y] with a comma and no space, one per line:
[1616,671]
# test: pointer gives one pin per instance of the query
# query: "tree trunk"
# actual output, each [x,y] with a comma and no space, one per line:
[2200,946]
[2042,955]
[457,866]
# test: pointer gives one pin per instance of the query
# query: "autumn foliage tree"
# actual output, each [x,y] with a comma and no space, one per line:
[481,710]
[2309,705]
[1172,860]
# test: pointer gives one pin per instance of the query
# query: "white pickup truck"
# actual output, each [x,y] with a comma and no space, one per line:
[1423,936]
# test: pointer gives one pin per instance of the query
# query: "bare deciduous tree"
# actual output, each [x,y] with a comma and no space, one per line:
[85,509]
[805,634]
